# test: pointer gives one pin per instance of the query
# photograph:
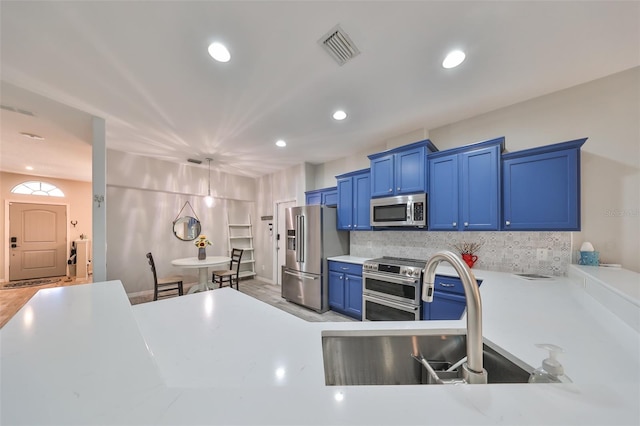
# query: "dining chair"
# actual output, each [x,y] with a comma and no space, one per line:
[162,286]
[232,274]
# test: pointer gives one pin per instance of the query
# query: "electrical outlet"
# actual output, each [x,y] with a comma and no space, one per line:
[542,254]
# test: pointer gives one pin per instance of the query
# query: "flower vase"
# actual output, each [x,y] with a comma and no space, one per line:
[469,259]
[202,253]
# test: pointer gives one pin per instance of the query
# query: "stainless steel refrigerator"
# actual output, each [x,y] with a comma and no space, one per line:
[312,237]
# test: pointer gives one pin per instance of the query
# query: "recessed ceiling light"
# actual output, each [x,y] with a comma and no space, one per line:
[29,168]
[339,115]
[32,136]
[281,143]
[219,52]
[453,59]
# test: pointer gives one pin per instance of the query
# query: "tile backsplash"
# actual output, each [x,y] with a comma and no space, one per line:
[501,251]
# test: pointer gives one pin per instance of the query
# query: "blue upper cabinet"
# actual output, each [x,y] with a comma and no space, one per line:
[354,196]
[401,170]
[313,198]
[443,193]
[464,187]
[382,179]
[541,188]
[325,196]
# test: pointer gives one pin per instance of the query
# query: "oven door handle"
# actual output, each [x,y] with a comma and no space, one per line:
[406,308]
[391,279]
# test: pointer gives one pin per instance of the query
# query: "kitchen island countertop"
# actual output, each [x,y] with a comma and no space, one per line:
[83,355]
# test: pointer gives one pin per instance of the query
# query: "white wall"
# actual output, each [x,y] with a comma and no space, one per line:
[607,111]
[289,184]
[144,197]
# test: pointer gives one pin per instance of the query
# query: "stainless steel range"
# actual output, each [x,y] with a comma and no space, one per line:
[391,289]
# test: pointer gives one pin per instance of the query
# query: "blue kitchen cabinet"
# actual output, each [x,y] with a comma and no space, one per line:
[336,290]
[443,193]
[345,288]
[541,188]
[324,196]
[449,302]
[330,196]
[354,196]
[464,188]
[401,170]
[312,198]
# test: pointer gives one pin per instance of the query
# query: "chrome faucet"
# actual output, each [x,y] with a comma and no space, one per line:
[472,370]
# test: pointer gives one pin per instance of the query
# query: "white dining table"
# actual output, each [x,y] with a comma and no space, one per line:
[203,269]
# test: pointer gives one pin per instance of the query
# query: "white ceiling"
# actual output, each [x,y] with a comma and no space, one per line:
[144,67]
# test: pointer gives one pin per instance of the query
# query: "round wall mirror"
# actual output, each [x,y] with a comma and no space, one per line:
[186,228]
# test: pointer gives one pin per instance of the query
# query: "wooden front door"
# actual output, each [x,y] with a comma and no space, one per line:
[37,241]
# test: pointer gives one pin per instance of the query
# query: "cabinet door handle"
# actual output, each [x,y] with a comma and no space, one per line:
[466,224]
[355,226]
[454,224]
[347,278]
[398,189]
[447,285]
[340,276]
[507,223]
[390,189]
[344,269]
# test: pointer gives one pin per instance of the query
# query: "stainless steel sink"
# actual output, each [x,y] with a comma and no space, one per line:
[385,358]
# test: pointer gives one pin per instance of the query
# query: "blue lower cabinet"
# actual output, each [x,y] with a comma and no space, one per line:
[345,288]
[449,302]
[353,293]
[447,306]
[336,290]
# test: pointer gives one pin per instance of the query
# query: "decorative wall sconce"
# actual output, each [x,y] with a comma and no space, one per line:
[98,199]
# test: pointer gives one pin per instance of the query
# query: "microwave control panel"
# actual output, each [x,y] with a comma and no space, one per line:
[418,211]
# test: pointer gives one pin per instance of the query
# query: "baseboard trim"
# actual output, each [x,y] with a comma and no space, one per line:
[264,280]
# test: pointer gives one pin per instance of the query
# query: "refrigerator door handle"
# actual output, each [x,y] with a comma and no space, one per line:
[301,276]
[300,237]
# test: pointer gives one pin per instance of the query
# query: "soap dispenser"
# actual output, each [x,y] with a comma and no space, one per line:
[551,370]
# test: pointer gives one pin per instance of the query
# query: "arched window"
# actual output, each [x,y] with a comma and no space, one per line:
[37,188]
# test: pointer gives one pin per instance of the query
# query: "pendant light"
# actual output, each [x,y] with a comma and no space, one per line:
[208,200]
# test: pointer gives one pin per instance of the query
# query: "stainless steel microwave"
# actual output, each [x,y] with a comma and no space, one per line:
[403,210]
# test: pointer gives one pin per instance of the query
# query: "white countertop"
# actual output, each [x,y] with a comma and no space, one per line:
[349,259]
[622,281]
[83,355]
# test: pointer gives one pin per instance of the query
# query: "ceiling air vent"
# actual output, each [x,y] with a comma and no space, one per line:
[339,45]
[194,161]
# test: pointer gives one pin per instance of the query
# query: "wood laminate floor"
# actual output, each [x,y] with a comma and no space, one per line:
[11,300]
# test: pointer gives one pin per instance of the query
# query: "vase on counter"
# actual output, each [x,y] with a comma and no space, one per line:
[469,259]
[202,253]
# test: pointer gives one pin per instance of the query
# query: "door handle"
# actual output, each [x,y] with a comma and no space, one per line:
[301,276]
